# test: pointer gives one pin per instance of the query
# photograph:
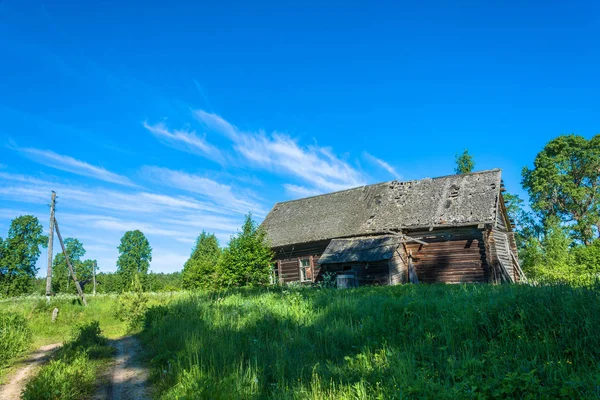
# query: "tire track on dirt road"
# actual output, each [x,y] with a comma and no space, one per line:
[127,377]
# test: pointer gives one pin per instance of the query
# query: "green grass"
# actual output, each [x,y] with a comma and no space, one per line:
[423,341]
[101,308]
[15,336]
[71,375]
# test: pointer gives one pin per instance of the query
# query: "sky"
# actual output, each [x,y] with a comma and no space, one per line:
[177,117]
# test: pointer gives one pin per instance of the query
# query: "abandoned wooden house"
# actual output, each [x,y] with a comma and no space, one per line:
[449,229]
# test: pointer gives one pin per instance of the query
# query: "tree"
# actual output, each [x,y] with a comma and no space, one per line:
[19,254]
[135,255]
[61,276]
[198,271]
[464,163]
[247,259]
[565,182]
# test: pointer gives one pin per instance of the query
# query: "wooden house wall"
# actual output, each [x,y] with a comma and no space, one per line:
[451,255]
[288,260]
[372,273]
[502,241]
[399,267]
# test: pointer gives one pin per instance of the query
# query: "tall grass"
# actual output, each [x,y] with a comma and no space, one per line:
[72,374]
[425,341]
[15,336]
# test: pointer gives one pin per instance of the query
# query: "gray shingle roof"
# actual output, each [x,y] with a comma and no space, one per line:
[454,200]
[367,249]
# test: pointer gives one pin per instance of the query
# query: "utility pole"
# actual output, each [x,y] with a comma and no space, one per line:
[94,276]
[50,242]
[77,286]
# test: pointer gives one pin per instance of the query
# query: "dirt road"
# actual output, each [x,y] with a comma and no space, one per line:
[17,381]
[127,378]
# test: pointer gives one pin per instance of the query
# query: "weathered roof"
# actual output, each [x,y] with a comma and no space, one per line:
[454,200]
[363,249]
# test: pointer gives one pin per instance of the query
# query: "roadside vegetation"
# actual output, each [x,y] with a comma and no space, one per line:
[71,374]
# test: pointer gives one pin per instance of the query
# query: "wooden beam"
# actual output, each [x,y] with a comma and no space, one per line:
[50,244]
[62,245]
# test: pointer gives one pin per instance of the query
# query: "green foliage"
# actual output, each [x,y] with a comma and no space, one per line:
[248,258]
[15,336]
[72,374]
[199,270]
[565,183]
[161,282]
[408,341]
[133,304]
[61,276]
[135,255]
[19,253]
[464,163]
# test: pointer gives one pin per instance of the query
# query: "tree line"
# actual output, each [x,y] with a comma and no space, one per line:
[245,261]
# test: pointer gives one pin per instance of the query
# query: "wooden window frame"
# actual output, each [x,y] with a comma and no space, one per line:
[308,267]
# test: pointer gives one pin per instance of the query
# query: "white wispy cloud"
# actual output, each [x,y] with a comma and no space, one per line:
[381,163]
[220,194]
[72,165]
[300,191]
[185,140]
[315,165]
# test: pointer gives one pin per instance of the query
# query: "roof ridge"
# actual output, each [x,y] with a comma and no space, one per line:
[384,183]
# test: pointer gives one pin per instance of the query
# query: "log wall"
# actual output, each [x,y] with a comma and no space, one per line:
[451,256]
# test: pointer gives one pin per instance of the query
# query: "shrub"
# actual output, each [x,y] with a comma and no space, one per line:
[15,336]
[132,305]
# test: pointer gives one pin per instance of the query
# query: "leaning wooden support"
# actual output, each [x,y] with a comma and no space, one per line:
[62,245]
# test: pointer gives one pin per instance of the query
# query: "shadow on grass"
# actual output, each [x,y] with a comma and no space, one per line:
[434,340]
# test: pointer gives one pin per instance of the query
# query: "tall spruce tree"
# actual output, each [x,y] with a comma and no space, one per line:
[464,163]
[246,261]
[199,270]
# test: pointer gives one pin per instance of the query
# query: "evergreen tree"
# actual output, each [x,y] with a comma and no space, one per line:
[464,163]
[199,270]
[135,255]
[247,259]
[19,253]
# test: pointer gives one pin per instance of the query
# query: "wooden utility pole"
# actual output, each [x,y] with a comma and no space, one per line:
[50,242]
[94,276]
[62,245]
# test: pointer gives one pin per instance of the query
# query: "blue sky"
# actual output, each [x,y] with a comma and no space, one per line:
[174,117]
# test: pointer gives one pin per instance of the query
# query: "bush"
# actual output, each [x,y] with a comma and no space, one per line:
[15,336]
